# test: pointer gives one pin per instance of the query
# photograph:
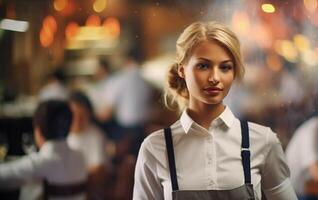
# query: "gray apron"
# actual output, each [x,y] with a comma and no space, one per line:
[244,192]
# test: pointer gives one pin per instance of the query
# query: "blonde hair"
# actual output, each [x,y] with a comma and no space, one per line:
[176,92]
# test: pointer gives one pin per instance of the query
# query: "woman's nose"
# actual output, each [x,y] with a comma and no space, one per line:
[214,77]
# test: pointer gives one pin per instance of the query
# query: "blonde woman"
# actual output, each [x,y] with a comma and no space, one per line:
[209,153]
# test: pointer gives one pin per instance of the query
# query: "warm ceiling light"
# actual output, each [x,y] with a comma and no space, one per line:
[99,5]
[268,8]
[59,5]
[112,27]
[46,37]
[93,20]
[311,5]
[71,30]
[49,22]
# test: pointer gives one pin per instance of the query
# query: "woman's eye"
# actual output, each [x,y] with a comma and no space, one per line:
[202,66]
[226,67]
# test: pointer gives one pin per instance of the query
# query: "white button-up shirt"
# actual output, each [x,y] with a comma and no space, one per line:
[211,160]
[129,95]
[91,143]
[55,162]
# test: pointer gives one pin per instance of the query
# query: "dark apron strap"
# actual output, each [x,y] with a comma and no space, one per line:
[245,152]
[171,160]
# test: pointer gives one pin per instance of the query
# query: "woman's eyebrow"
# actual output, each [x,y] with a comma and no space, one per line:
[207,60]
[226,61]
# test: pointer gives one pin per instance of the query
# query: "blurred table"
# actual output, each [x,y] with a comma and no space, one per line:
[9,194]
[13,128]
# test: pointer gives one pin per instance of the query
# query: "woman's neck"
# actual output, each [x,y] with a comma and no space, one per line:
[205,114]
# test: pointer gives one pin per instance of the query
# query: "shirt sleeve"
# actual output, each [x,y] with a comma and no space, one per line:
[275,173]
[301,153]
[16,173]
[147,184]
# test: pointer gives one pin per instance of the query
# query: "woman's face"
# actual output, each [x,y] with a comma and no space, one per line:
[209,74]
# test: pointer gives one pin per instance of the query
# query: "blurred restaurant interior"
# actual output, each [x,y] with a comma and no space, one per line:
[279,43]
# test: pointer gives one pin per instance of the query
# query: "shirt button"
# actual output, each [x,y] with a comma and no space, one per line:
[211,183]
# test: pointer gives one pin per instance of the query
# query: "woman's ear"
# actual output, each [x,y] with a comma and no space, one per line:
[181,70]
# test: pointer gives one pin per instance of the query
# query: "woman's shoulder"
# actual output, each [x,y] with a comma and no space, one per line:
[261,133]
[258,128]
[159,134]
[155,142]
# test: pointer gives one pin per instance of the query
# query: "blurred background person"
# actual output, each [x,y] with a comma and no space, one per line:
[99,82]
[126,101]
[61,169]
[302,158]
[55,87]
[90,141]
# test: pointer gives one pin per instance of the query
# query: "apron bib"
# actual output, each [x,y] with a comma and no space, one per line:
[244,192]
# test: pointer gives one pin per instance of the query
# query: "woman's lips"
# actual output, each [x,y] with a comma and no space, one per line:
[212,90]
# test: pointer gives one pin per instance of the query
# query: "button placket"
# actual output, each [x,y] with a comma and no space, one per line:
[210,160]
[214,164]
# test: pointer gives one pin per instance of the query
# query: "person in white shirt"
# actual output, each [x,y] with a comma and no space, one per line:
[127,99]
[302,157]
[209,153]
[88,139]
[61,169]
[55,87]
[96,89]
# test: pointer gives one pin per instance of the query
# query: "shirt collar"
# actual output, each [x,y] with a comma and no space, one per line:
[226,118]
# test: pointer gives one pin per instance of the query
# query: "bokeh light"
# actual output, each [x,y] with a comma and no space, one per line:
[93,20]
[311,5]
[286,49]
[273,62]
[112,27]
[59,5]
[301,42]
[99,5]
[268,8]
[310,58]
[46,37]
[50,23]
[71,30]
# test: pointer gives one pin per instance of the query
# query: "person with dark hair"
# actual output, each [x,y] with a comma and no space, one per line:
[55,86]
[86,138]
[61,169]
